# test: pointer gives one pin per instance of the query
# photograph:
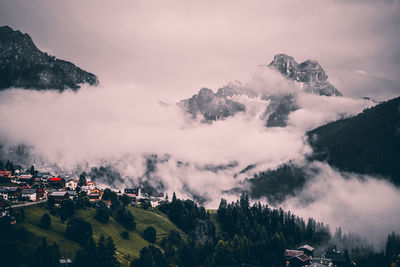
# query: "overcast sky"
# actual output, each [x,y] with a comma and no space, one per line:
[168,50]
[172,48]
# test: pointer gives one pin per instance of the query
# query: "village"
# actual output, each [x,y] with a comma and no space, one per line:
[304,256]
[32,187]
[20,188]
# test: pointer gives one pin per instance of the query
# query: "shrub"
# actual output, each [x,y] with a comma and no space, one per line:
[102,212]
[68,207]
[79,230]
[125,235]
[125,200]
[150,234]
[125,218]
[149,256]
[45,221]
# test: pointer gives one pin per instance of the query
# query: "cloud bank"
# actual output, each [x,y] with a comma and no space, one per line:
[357,203]
[123,126]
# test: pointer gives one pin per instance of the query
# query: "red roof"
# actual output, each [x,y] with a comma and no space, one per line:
[55,179]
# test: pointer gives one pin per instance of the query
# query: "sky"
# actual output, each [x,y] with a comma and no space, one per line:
[147,51]
[173,48]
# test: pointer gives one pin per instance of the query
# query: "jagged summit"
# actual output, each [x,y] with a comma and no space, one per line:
[284,64]
[205,94]
[211,106]
[225,102]
[8,34]
[23,65]
[309,72]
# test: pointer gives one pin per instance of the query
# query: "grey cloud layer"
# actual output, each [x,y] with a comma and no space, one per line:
[357,203]
[122,125]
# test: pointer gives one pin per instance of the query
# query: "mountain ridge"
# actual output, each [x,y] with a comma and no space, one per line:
[368,143]
[309,72]
[23,65]
[223,104]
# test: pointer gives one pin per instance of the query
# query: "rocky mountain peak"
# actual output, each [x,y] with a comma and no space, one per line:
[23,65]
[227,100]
[212,106]
[285,64]
[7,34]
[309,72]
[206,94]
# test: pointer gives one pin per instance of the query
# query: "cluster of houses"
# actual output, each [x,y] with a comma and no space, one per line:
[27,187]
[67,190]
[304,256]
[137,196]
[41,186]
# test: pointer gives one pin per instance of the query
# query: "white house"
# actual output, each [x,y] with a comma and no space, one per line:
[3,193]
[9,193]
[155,201]
[72,184]
[133,192]
[29,194]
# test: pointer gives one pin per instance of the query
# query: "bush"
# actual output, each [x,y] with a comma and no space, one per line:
[125,235]
[150,234]
[102,212]
[125,200]
[79,230]
[150,256]
[68,207]
[63,215]
[50,202]
[125,218]
[109,195]
[145,204]
[45,221]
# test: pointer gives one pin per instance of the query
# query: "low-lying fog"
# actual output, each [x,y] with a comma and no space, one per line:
[122,125]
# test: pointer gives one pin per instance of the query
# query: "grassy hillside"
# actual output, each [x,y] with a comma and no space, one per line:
[126,249]
[54,234]
[158,220]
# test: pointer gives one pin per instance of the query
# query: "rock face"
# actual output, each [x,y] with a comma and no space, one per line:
[219,105]
[309,72]
[278,110]
[23,65]
[211,106]
[234,89]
